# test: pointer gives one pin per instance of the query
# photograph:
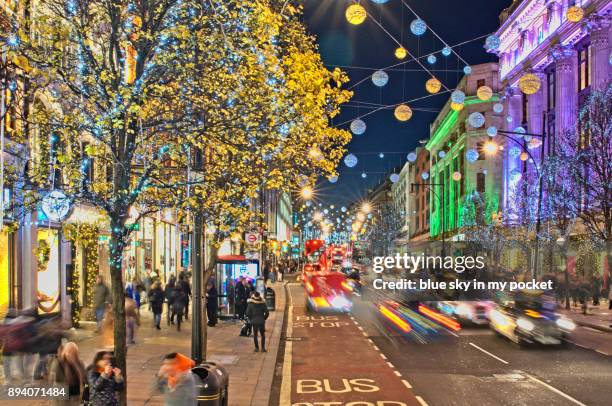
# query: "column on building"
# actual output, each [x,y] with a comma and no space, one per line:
[565,88]
[599,28]
[514,107]
[535,110]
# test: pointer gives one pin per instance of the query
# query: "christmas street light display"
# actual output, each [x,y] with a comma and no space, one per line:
[418,27]
[356,14]
[358,127]
[529,83]
[476,119]
[457,96]
[575,14]
[472,155]
[498,108]
[401,53]
[484,93]
[380,78]
[446,51]
[467,70]
[403,112]
[433,85]
[456,106]
[431,59]
[351,160]
[492,43]
[411,157]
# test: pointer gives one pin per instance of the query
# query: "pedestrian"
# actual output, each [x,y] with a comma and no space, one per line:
[257,312]
[231,297]
[68,369]
[148,285]
[281,272]
[180,302]
[596,289]
[156,301]
[101,297]
[242,295]
[266,271]
[48,339]
[132,319]
[184,282]
[176,381]
[108,327]
[132,291]
[13,337]
[212,303]
[105,380]
[169,292]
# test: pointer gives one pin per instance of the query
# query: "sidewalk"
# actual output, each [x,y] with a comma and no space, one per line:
[250,373]
[598,317]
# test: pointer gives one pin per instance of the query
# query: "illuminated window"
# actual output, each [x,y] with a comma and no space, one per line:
[480,182]
[584,68]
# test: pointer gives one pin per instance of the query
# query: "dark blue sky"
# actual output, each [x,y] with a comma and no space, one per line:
[367,45]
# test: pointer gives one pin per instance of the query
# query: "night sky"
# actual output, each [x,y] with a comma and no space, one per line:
[368,46]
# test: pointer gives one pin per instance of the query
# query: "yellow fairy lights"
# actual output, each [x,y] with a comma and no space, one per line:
[401,53]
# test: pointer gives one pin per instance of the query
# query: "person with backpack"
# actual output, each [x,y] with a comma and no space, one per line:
[184,283]
[156,301]
[257,313]
[180,302]
[169,294]
[105,380]
[68,369]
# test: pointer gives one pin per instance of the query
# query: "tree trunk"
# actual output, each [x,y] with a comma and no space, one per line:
[211,261]
[567,281]
[118,298]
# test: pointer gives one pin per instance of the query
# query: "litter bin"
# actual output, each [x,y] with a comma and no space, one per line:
[270,299]
[212,387]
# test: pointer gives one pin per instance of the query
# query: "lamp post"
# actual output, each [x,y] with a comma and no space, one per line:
[442,206]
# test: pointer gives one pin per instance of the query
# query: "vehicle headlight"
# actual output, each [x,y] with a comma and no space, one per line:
[566,324]
[340,302]
[525,324]
[463,310]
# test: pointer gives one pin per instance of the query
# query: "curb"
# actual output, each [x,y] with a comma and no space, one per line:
[261,394]
[594,326]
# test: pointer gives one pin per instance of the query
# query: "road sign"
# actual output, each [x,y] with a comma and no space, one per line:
[252,238]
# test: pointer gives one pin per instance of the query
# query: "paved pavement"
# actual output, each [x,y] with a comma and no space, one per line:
[597,317]
[251,373]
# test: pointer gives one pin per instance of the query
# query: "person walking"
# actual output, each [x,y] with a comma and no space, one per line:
[176,381]
[156,301]
[180,302]
[184,282]
[281,272]
[242,295]
[105,380]
[231,297]
[68,369]
[212,303]
[257,312]
[169,293]
[48,339]
[101,297]
[132,319]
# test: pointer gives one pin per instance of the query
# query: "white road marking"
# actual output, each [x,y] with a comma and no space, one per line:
[397,373]
[382,356]
[406,384]
[453,333]
[390,364]
[552,388]
[375,347]
[360,328]
[421,401]
[489,354]
[601,352]
[592,329]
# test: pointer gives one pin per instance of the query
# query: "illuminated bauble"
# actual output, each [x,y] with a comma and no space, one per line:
[492,42]
[441,154]
[308,203]
[380,78]
[498,108]
[514,152]
[492,131]
[432,59]
[534,143]
[400,53]
[484,93]
[456,106]
[524,156]
[509,119]
[326,211]
[476,120]
[610,58]
[529,83]
[446,51]
[527,138]
[472,155]
[350,160]
[456,176]
[458,96]
[425,175]
[411,157]
[381,155]
[418,27]
[515,175]
[343,209]
[519,131]
[433,85]
[358,127]
[467,70]
[575,14]
[356,14]
[403,112]
[364,175]
[394,178]
[333,179]
[379,1]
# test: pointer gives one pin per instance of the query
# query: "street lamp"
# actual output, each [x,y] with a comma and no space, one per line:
[490,148]
[366,207]
[307,193]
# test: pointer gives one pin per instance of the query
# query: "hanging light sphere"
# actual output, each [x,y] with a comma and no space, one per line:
[472,155]
[343,209]
[458,96]
[534,143]
[498,108]
[575,14]
[467,70]
[529,83]
[418,27]
[492,43]
[431,59]
[519,131]
[308,203]
[400,53]
[524,156]
[358,126]
[446,51]
[355,14]
[441,154]
[492,131]
[379,1]
[394,178]
[381,155]
[411,157]
[610,58]
[476,120]
[433,85]
[403,112]
[364,175]
[350,160]
[484,93]
[380,78]
[456,176]
[509,119]
[515,175]
[425,175]
[333,179]
[456,106]
[515,152]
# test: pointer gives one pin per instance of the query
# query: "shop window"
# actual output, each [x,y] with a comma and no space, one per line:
[480,182]
[480,83]
[48,267]
[551,93]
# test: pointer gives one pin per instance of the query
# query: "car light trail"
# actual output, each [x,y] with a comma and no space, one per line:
[395,319]
[445,321]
